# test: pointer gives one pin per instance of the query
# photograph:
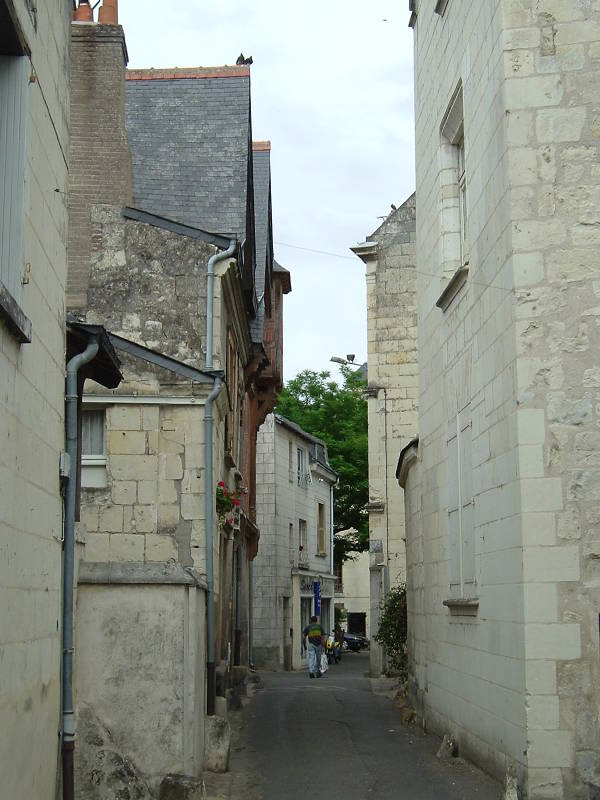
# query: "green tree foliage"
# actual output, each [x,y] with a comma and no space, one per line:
[393,627]
[337,414]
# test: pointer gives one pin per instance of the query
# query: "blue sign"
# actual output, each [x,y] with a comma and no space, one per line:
[317,591]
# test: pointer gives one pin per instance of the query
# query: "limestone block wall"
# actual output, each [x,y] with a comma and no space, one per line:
[32,428]
[512,350]
[552,68]
[153,506]
[473,681]
[392,374]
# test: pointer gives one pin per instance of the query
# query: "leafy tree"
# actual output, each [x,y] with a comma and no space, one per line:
[337,415]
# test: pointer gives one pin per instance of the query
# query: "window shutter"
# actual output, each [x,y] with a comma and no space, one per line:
[14,82]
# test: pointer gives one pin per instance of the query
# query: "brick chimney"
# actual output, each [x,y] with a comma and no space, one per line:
[99,155]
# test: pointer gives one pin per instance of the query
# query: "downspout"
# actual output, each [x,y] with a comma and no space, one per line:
[251,614]
[237,641]
[68,715]
[211,684]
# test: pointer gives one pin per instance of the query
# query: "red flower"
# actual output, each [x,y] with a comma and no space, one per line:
[221,484]
[236,502]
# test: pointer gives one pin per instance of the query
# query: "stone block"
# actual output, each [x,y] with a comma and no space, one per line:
[551,563]
[160,547]
[192,506]
[89,516]
[550,748]
[97,547]
[540,599]
[110,519]
[124,493]
[168,515]
[147,492]
[126,442]
[126,547]
[170,466]
[133,467]
[541,494]
[150,418]
[167,493]
[545,784]
[560,641]
[531,92]
[145,518]
[540,677]
[560,124]
[542,713]
[124,418]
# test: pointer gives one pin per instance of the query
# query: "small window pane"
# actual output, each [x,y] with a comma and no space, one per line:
[92,433]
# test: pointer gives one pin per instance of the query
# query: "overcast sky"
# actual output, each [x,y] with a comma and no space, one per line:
[332,88]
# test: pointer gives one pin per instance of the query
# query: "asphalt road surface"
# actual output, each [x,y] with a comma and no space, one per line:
[334,738]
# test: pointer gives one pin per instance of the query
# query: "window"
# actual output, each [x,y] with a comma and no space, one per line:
[290,461]
[321,546]
[461,552]
[14,82]
[291,541]
[453,178]
[93,449]
[300,466]
[302,539]
[232,421]
[462,199]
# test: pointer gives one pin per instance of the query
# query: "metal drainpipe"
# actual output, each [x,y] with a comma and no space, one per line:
[251,613]
[237,642]
[211,684]
[68,714]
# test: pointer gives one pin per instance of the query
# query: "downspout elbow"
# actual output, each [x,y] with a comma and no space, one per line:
[210,282]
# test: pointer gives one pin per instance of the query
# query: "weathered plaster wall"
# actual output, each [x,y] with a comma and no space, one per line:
[139,702]
[32,431]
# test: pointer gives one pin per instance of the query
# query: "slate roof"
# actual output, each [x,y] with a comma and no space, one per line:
[190,136]
[263,236]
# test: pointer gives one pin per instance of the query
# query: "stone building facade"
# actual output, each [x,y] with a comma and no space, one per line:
[502,487]
[195,317]
[392,391]
[295,515]
[34,100]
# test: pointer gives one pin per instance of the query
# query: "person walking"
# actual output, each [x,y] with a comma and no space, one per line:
[314,633]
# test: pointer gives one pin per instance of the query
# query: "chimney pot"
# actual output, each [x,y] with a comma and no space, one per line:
[109,13]
[84,12]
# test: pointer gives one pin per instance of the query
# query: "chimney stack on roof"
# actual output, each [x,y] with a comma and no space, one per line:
[108,13]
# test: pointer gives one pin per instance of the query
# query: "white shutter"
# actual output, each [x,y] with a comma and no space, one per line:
[466,486]
[453,511]
[14,82]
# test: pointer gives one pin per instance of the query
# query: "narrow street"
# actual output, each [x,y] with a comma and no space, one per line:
[335,738]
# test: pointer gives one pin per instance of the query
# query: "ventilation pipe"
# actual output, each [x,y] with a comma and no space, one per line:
[68,715]
[209,507]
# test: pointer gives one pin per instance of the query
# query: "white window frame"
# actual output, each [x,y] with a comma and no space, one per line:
[321,530]
[93,465]
[461,547]
[300,468]
[15,71]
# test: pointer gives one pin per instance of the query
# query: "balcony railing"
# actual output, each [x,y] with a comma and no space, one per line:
[302,560]
[338,586]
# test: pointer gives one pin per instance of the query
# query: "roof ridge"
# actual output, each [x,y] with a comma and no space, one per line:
[179,73]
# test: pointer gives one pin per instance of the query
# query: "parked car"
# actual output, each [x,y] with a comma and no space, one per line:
[355,642]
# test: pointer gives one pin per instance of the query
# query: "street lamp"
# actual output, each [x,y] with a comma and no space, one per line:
[348,361]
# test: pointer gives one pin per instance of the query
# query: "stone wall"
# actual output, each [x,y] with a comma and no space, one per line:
[506,355]
[100,160]
[389,255]
[32,429]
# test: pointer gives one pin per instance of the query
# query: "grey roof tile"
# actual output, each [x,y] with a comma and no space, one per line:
[190,142]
